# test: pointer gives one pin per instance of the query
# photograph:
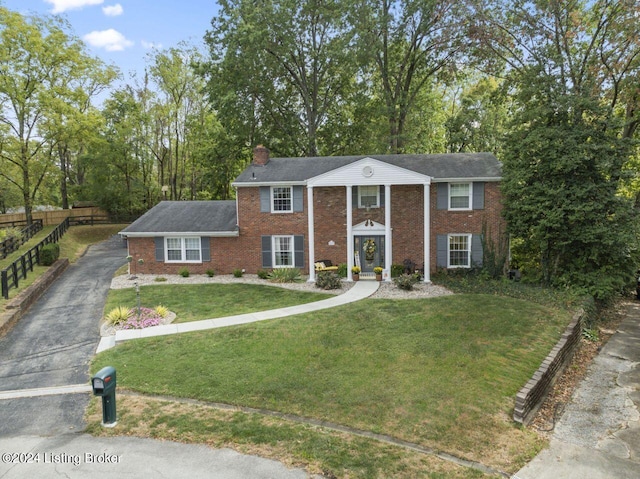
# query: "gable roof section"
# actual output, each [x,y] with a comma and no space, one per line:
[440,167]
[198,218]
[369,172]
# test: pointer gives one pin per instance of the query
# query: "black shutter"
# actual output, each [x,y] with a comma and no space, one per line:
[265,199]
[159,242]
[477,255]
[382,198]
[298,251]
[442,249]
[298,196]
[443,196]
[205,247]
[354,197]
[478,195]
[266,252]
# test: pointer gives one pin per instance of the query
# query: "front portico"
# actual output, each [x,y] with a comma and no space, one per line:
[369,173]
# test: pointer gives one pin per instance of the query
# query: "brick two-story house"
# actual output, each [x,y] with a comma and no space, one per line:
[370,210]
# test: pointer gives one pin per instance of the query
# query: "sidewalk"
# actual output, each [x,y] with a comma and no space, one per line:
[598,436]
[360,290]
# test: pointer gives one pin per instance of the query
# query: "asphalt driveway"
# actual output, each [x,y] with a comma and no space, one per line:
[53,343]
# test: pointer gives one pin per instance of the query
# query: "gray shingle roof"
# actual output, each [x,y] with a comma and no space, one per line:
[187,217]
[440,166]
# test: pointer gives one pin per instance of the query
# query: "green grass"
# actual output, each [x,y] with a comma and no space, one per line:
[205,301]
[441,372]
[6,262]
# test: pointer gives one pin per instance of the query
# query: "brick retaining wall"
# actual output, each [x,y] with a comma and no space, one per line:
[531,397]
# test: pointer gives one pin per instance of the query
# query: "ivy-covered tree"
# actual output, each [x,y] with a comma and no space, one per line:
[563,167]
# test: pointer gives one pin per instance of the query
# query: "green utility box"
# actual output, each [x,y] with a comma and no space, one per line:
[104,385]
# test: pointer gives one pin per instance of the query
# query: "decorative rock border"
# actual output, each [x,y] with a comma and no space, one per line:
[19,305]
[532,395]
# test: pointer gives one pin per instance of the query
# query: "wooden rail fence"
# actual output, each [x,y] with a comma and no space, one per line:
[11,276]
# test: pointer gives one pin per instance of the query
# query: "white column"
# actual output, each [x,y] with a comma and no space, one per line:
[312,242]
[349,232]
[427,233]
[387,231]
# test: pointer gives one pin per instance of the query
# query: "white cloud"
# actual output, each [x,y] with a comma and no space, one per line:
[111,40]
[151,45]
[60,6]
[112,10]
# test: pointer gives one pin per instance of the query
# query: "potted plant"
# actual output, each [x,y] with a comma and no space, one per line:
[378,271]
[355,273]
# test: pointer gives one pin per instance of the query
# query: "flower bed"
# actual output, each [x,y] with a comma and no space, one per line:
[144,318]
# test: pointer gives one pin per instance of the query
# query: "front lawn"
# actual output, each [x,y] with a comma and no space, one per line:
[441,373]
[207,301]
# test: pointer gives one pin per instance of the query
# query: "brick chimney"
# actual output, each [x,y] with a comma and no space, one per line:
[260,155]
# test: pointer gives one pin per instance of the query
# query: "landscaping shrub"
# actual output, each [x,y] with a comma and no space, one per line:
[285,275]
[210,273]
[49,254]
[162,311]
[184,272]
[118,315]
[328,280]
[263,274]
[342,270]
[160,279]
[238,273]
[10,233]
[397,270]
[406,281]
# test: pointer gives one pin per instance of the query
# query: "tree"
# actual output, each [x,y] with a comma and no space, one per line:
[572,66]
[563,168]
[181,98]
[284,68]
[36,55]
[410,45]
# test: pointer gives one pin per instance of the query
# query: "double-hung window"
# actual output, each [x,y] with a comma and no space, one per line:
[368,196]
[281,199]
[183,250]
[283,251]
[460,196]
[459,251]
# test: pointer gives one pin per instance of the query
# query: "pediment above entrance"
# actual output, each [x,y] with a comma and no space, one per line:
[369,171]
[368,227]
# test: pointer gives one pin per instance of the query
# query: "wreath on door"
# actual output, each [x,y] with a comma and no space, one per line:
[369,249]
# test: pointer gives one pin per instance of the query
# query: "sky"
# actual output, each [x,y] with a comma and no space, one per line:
[123,32]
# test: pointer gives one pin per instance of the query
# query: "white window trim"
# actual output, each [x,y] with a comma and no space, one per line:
[470,207]
[377,205]
[183,249]
[292,251]
[469,239]
[272,199]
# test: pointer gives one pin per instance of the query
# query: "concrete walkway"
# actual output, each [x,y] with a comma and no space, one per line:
[360,290]
[598,436]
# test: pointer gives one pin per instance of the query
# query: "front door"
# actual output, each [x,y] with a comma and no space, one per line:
[371,252]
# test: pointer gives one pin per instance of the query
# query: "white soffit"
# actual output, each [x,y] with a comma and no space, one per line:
[369,171]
